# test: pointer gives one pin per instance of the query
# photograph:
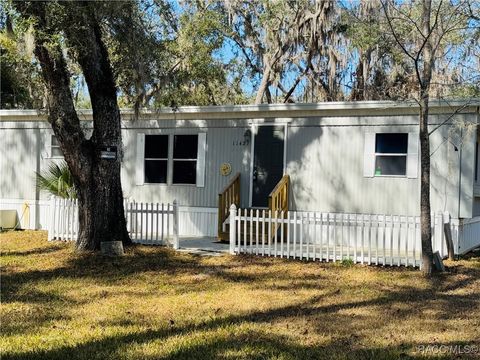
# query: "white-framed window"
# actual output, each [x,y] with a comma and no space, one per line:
[391,151]
[55,151]
[393,154]
[173,159]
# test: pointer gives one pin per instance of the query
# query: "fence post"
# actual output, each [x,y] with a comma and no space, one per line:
[233,214]
[176,243]
[448,235]
[125,213]
[51,220]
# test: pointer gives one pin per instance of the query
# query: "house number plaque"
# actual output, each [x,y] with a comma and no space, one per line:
[108,152]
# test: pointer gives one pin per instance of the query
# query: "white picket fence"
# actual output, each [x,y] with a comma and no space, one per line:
[63,219]
[370,239]
[469,236]
[152,223]
[147,223]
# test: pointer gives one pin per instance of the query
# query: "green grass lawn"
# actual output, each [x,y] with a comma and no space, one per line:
[155,303]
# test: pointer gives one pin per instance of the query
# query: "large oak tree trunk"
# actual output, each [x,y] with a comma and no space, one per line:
[101,212]
[97,180]
[102,198]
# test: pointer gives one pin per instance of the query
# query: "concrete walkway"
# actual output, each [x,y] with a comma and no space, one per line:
[203,246]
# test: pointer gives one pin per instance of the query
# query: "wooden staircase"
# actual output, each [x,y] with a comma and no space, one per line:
[229,195]
[277,206]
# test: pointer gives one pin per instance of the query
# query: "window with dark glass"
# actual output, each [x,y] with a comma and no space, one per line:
[156,158]
[55,151]
[391,154]
[185,149]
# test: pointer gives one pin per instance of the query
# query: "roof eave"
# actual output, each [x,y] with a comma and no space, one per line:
[232,111]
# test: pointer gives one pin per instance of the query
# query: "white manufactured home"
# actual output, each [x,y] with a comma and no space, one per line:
[340,157]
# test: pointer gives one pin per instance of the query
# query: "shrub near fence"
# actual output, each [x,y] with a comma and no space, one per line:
[371,239]
[147,223]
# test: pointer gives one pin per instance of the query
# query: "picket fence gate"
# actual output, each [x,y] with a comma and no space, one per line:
[147,223]
[368,239]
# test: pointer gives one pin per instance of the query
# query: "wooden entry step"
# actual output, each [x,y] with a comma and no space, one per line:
[277,201]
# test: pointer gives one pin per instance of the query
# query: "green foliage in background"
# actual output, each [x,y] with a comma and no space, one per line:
[210,52]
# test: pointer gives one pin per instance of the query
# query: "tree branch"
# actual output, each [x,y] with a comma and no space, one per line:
[394,33]
[450,117]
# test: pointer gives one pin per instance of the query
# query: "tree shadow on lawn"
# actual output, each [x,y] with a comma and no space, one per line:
[250,345]
[139,260]
[325,313]
[94,266]
[36,251]
[48,289]
[150,260]
[226,337]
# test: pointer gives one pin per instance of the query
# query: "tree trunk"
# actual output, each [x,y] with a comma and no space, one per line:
[424,81]
[97,180]
[425,211]
[358,91]
[101,212]
[264,83]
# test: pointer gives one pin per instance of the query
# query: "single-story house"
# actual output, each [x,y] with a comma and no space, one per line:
[352,157]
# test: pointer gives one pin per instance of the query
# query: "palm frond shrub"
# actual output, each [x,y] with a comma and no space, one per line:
[57,180]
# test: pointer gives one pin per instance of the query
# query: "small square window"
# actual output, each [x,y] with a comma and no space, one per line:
[185,147]
[184,172]
[391,154]
[55,151]
[156,147]
[156,171]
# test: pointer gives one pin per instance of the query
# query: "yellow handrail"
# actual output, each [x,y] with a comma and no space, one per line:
[228,196]
[278,198]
